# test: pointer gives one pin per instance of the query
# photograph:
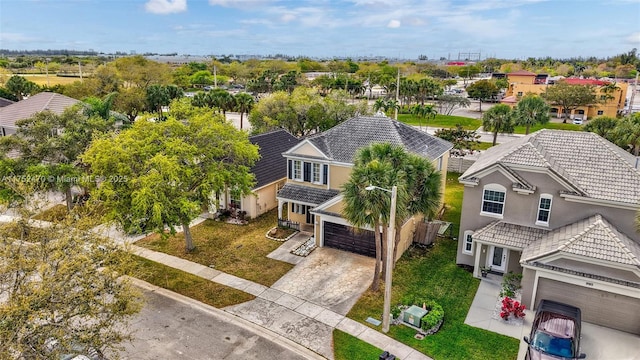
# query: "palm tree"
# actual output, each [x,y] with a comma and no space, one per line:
[380,104]
[531,110]
[244,103]
[498,119]
[627,133]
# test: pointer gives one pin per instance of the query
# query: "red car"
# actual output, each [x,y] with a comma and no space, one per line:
[555,333]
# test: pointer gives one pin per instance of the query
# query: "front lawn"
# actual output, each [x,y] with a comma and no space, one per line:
[240,250]
[348,347]
[441,121]
[549,125]
[189,285]
[433,274]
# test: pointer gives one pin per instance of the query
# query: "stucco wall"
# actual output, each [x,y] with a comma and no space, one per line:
[338,175]
[528,278]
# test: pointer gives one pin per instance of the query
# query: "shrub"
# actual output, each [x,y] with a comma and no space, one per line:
[511,307]
[510,284]
[433,317]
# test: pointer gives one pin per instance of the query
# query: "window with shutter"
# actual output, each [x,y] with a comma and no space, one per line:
[307,172]
[325,174]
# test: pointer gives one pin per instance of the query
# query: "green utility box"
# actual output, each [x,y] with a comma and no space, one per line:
[413,315]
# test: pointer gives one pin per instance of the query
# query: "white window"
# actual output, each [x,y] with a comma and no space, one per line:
[493,198]
[467,246]
[297,170]
[298,208]
[316,175]
[544,209]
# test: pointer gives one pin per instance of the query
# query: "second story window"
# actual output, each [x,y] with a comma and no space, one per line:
[297,170]
[544,210]
[493,199]
[316,176]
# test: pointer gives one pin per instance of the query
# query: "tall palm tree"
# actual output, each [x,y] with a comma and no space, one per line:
[627,133]
[499,119]
[244,104]
[531,110]
[380,104]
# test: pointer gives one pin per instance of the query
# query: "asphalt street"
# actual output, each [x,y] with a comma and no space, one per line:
[169,327]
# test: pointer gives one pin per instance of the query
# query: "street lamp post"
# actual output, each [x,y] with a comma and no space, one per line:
[386,311]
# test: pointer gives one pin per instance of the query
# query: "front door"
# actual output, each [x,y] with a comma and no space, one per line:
[498,258]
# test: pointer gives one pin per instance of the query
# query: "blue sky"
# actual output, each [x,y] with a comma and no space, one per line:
[324,28]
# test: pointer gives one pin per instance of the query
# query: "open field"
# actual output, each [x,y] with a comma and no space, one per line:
[41,79]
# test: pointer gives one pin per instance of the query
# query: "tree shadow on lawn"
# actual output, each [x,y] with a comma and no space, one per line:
[239,250]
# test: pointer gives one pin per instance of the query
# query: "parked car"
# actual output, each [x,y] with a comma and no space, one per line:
[555,333]
[577,120]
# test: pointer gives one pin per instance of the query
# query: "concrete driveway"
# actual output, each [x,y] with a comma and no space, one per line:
[330,278]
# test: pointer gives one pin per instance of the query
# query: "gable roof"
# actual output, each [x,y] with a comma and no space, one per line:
[272,165]
[342,142]
[591,165]
[24,109]
[593,237]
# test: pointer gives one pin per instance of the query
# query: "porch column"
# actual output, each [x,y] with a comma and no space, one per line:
[280,203]
[476,259]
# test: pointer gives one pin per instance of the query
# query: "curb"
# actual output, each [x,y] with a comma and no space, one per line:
[259,330]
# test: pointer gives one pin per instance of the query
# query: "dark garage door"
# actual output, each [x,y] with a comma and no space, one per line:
[598,307]
[344,237]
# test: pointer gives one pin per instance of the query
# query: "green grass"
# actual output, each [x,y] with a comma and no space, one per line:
[433,274]
[351,348]
[484,146]
[240,250]
[190,285]
[550,125]
[441,121]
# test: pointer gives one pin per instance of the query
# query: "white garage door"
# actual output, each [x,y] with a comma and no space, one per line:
[598,307]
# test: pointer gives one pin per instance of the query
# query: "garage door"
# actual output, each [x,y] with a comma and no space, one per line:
[346,238]
[598,307]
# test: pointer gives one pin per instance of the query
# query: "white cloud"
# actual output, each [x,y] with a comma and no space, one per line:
[240,4]
[165,6]
[634,39]
[393,24]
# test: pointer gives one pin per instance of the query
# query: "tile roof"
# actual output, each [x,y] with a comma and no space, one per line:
[593,166]
[522,73]
[272,165]
[502,233]
[593,237]
[577,81]
[24,109]
[306,194]
[341,142]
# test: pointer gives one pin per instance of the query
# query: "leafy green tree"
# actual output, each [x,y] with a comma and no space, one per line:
[20,87]
[157,97]
[222,99]
[286,82]
[482,90]
[163,173]
[531,110]
[244,103]
[428,88]
[447,104]
[201,78]
[626,134]
[67,293]
[498,119]
[50,145]
[131,102]
[602,125]
[464,141]
[569,96]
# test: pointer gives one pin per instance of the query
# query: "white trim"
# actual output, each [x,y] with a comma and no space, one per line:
[496,188]
[580,281]
[540,198]
[504,259]
[467,233]
[592,201]
[299,145]
[334,200]
[300,172]
[587,260]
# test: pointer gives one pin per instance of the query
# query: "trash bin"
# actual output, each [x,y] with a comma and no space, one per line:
[384,356]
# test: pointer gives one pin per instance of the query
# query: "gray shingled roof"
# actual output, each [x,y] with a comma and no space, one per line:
[502,233]
[306,194]
[593,237]
[24,109]
[341,142]
[5,102]
[272,165]
[595,167]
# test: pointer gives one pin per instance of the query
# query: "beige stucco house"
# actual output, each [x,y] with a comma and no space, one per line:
[558,207]
[318,167]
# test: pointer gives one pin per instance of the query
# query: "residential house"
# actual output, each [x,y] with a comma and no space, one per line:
[558,207]
[26,108]
[319,165]
[609,104]
[270,172]
[5,102]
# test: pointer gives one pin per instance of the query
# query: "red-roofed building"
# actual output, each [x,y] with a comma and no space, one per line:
[594,82]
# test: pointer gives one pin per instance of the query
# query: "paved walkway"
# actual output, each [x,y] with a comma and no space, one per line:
[287,315]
